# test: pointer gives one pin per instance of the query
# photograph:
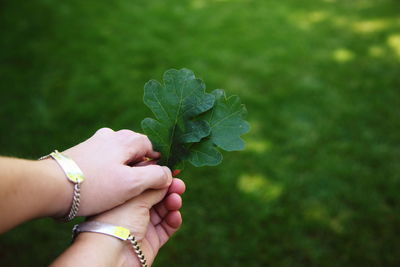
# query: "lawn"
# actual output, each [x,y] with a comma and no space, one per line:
[318,182]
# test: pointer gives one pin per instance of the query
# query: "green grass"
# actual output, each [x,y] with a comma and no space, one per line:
[318,183]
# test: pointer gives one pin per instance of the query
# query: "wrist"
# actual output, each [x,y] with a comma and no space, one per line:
[109,251]
[59,188]
[92,249]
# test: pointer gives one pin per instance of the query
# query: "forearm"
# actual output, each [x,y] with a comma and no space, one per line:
[93,249]
[31,189]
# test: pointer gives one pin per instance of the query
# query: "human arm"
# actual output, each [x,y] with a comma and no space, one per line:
[152,217]
[32,189]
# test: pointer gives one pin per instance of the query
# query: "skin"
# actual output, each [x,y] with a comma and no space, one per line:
[111,162]
[153,217]
[123,186]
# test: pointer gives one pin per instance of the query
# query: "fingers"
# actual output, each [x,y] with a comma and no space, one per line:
[172,202]
[169,226]
[148,177]
[145,162]
[160,204]
[172,222]
[149,198]
[177,186]
[138,144]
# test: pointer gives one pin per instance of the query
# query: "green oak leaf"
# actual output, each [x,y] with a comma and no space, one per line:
[191,125]
[174,104]
[204,154]
[226,121]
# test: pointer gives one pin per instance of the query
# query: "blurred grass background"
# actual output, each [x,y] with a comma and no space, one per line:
[318,184]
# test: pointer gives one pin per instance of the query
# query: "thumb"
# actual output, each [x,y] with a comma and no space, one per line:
[148,177]
[149,198]
[133,214]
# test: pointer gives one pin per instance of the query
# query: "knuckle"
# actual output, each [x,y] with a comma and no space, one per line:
[104,130]
[167,170]
[131,135]
[127,136]
[167,175]
[142,139]
[160,174]
[125,133]
[147,142]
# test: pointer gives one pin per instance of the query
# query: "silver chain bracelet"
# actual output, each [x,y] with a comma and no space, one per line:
[112,230]
[137,250]
[76,201]
[74,175]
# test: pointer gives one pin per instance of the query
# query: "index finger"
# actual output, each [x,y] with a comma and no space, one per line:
[138,145]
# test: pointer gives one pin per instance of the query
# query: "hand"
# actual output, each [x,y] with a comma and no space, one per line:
[153,217]
[108,161]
